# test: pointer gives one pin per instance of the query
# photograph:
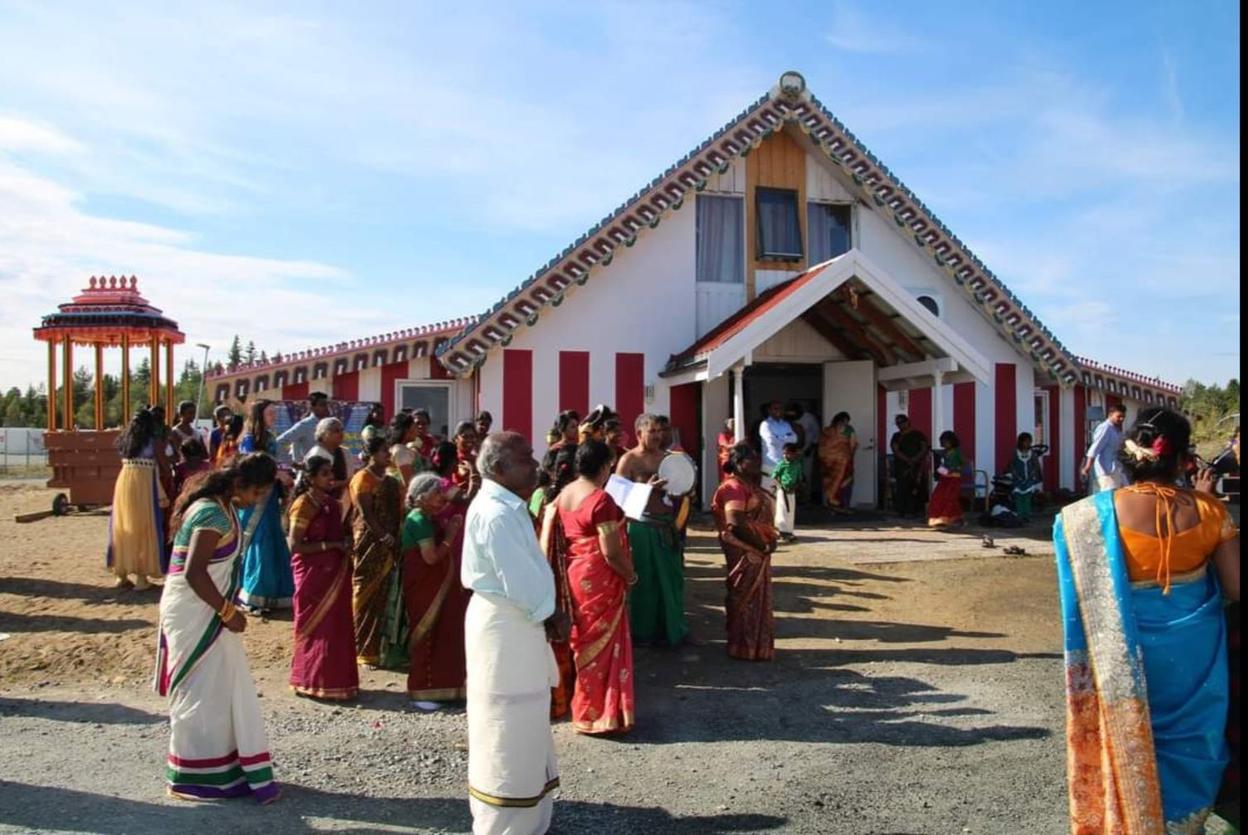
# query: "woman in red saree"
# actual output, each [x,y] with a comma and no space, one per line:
[944,508]
[435,601]
[743,516]
[323,665]
[590,527]
[724,443]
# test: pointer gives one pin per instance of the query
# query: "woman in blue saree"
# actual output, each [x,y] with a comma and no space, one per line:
[268,581]
[1142,572]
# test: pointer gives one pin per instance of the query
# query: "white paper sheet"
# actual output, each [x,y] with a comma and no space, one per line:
[629,495]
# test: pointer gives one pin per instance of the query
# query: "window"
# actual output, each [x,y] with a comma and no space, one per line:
[434,398]
[828,227]
[720,232]
[930,303]
[779,233]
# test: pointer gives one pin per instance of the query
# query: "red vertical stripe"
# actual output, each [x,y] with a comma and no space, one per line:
[630,387]
[295,391]
[964,417]
[1052,472]
[437,371]
[684,417]
[1080,440]
[518,391]
[391,374]
[1005,413]
[920,412]
[574,381]
[1111,400]
[346,386]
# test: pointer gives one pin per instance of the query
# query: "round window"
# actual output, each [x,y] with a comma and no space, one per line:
[931,304]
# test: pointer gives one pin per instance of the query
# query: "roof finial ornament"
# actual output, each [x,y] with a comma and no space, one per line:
[134,283]
[92,283]
[792,85]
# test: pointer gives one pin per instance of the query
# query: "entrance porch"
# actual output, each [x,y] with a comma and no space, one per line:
[835,338]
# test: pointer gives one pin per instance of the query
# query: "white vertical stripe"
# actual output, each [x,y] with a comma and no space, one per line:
[370,384]
[985,428]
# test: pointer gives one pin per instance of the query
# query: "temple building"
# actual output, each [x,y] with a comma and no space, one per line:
[780,259]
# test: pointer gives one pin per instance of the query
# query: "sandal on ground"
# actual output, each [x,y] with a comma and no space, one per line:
[123,583]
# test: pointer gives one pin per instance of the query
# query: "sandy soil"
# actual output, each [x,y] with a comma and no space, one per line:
[917,689]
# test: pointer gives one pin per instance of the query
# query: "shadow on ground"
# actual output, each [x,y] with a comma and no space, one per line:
[303,810]
[86,713]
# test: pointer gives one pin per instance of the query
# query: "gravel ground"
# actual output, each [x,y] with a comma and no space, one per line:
[916,689]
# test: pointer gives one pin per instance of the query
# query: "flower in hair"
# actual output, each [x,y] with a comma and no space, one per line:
[1138,452]
[1161,445]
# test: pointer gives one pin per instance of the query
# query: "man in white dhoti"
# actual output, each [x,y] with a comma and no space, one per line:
[511,668]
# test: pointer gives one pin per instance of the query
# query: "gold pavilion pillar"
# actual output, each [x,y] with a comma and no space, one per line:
[51,385]
[125,380]
[68,382]
[153,394]
[169,384]
[99,386]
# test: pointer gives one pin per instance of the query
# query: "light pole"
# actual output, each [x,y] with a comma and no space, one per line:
[203,376]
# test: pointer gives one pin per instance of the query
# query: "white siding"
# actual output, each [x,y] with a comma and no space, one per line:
[731,181]
[1065,450]
[716,301]
[643,302]
[765,279]
[822,184]
[370,384]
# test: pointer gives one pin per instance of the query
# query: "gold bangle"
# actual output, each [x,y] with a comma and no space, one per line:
[227,612]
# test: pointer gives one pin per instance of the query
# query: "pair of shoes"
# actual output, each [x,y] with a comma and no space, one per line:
[788,537]
[123,583]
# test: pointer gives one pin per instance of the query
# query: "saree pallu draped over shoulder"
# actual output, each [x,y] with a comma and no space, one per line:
[1146,684]
[217,746]
[749,616]
[374,560]
[323,662]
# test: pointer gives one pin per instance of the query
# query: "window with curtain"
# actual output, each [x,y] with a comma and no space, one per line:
[720,234]
[779,232]
[828,227]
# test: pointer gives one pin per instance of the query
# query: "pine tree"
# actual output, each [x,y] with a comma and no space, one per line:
[235,355]
[250,355]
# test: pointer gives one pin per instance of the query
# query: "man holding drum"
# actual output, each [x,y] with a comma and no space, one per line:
[657,601]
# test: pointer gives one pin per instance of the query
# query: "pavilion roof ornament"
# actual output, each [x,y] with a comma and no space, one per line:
[106,309]
[789,102]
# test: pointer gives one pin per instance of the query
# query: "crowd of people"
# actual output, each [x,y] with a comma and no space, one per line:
[522,587]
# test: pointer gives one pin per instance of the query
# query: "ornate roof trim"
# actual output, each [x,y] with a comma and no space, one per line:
[666,193]
[1126,383]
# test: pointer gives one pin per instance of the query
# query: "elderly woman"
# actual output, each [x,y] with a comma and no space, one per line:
[377,509]
[1142,572]
[434,600]
[329,437]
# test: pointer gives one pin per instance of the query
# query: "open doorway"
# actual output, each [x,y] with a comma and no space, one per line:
[785,382]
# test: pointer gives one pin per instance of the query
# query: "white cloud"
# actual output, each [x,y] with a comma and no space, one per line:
[851,30]
[23,135]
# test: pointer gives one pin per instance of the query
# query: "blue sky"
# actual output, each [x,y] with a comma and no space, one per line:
[302,173]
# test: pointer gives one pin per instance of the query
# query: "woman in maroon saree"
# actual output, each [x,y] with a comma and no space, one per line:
[435,600]
[743,516]
[599,572]
[323,665]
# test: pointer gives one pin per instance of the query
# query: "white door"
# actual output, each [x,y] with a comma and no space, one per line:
[851,387]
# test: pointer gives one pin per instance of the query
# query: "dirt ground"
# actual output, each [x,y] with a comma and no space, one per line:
[917,688]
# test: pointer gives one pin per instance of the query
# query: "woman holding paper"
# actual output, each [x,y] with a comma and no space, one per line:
[587,526]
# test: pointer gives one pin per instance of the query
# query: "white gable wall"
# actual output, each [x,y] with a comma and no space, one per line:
[643,302]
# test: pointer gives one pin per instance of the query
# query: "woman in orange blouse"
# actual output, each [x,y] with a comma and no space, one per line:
[1143,571]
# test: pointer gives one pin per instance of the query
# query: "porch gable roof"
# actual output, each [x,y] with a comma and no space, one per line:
[923,336]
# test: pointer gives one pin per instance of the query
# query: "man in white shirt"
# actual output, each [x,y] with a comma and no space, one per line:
[1101,460]
[511,668]
[774,432]
[299,439]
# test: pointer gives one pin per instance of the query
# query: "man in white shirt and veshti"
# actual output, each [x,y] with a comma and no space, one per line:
[511,753]
[773,433]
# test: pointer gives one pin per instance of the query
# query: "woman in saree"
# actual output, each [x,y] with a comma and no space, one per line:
[1142,572]
[404,462]
[743,517]
[837,445]
[435,602]
[724,442]
[465,476]
[323,665]
[267,579]
[217,743]
[376,512]
[136,530]
[585,529]
[374,423]
[541,506]
[228,448]
[944,509]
